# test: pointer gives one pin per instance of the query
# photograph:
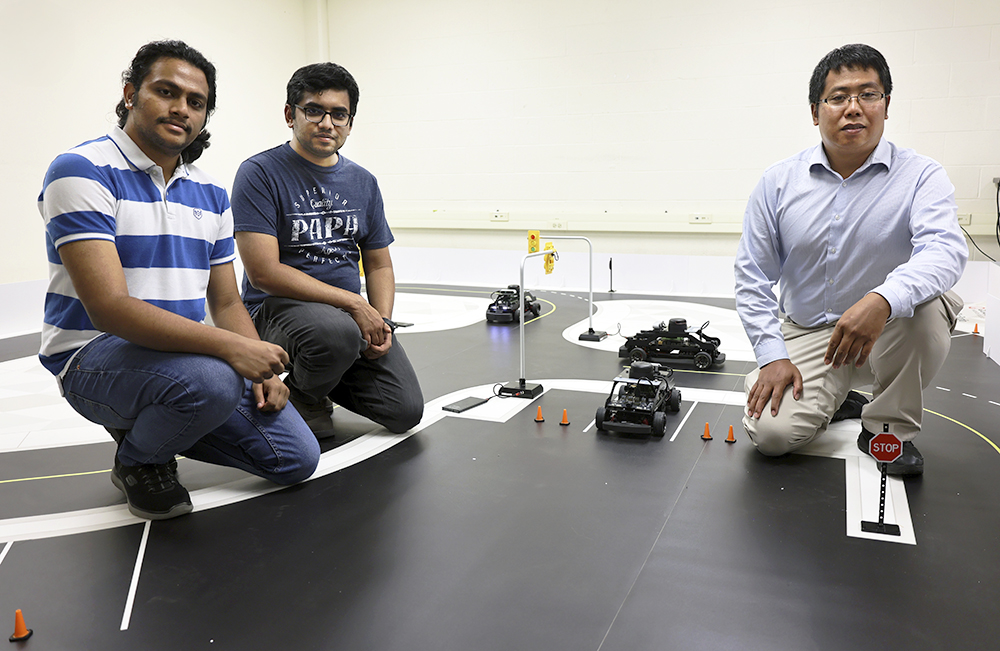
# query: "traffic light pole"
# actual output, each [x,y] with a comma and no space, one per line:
[590,335]
[521,388]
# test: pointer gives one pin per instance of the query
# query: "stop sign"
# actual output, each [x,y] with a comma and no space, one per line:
[885,447]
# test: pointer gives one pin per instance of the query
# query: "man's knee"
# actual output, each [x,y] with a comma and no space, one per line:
[300,466]
[776,436]
[213,389]
[771,441]
[404,416]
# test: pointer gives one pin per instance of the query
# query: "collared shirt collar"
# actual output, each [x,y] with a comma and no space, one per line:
[136,157]
[881,155]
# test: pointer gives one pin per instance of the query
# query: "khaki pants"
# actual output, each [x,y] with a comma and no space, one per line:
[902,364]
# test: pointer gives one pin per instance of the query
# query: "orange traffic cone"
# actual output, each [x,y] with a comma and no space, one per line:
[538,417]
[975,329]
[21,632]
[565,420]
[707,436]
[730,438]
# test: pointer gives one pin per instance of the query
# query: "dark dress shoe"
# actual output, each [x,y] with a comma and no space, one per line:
[851,407]
[908,465]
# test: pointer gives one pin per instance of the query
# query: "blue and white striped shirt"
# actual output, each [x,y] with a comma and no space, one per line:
[890,228]
[168,235]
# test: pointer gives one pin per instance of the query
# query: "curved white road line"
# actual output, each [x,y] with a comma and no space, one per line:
[862,480]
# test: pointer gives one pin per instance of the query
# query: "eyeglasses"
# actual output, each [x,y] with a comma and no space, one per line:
[865,99]
[316,115]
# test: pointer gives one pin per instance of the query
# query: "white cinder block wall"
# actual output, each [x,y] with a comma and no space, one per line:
[620,119]
[615,119]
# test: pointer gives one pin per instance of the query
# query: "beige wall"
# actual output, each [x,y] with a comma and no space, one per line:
[632,115]
[61,78]
[593,115]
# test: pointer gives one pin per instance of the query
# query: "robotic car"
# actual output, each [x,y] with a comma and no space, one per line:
[505,308]
[639,400]
[675,341]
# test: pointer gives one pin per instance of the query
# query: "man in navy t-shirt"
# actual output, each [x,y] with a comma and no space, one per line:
[304,218]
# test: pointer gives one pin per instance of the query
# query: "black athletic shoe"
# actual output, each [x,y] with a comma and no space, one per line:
[851,407]
[152,491]
[908,465]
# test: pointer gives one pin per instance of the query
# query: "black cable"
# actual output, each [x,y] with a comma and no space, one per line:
[974,242]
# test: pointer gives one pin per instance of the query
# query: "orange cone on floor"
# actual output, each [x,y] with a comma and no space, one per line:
[538,417]
[975,329]
[730,438]
[565,420]
[707,436]
[21,632]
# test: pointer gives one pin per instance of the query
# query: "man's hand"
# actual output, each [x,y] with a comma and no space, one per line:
[770,385]
[370,322]
[857,331]
[257,360]
[271,394]
[373,351]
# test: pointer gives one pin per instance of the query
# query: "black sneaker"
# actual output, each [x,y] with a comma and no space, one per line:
[908,465]
[152,491]
[851,407]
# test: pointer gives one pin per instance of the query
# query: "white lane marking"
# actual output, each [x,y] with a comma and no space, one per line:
[995,403]
[863,479]
[684,420]
[130,600]
[378,440]
[943,389]
[863,484]
[6,548]
[968,395]
[592,423]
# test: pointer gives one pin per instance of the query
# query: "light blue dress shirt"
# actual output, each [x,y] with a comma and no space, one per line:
[890,228]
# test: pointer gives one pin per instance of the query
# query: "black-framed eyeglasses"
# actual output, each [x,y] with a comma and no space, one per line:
[314,114]
[865,99]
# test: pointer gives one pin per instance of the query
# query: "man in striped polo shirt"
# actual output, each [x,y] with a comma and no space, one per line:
[139,242]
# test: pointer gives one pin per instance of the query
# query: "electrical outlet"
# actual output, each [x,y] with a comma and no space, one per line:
[500,217]
[700,219]
[964,220]
[558,225]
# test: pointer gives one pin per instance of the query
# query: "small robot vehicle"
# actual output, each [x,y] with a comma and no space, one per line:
[505,308]
[639,400]
[675,341]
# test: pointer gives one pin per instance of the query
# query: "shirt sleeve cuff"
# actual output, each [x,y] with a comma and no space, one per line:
[769,351]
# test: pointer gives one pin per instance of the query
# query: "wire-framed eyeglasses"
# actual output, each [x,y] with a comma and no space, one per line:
[840,100]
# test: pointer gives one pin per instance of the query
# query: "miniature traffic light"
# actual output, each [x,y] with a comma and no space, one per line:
[533,240]
[550,258]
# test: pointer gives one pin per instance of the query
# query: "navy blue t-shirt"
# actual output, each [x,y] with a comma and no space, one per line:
[322,216]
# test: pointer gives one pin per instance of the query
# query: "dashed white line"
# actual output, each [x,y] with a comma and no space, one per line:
[995,403]
[968,395]
[943,389]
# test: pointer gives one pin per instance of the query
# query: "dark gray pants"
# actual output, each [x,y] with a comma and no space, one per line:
[324,345]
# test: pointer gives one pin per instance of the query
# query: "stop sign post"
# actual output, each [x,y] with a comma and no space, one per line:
[884,448]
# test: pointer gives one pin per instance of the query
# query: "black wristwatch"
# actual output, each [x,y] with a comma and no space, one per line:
[392,324]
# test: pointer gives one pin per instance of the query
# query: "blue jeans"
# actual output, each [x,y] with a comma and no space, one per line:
[195,405]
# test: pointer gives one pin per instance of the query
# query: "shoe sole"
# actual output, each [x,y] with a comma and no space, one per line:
[175,511]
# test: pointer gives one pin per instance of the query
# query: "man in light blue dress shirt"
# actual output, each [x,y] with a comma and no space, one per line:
[863,238]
